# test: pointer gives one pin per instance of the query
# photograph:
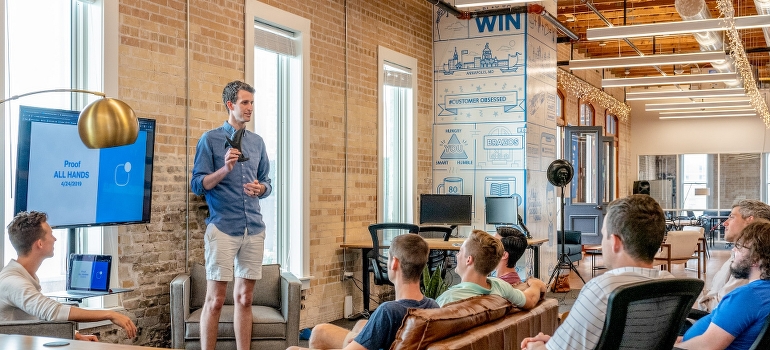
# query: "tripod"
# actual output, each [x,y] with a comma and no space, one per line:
[564,261]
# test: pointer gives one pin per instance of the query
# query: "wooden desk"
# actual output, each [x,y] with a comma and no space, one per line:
[434,244]
[25,342]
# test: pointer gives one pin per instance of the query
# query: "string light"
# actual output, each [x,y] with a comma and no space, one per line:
[583,90]
[742,62]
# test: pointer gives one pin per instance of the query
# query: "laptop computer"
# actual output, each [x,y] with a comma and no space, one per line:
[88,275]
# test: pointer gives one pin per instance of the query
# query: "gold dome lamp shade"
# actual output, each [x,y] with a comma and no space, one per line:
[104,123]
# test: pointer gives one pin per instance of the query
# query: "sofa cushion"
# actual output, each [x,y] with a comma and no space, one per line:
[424,326]
[505,333]
[268,323]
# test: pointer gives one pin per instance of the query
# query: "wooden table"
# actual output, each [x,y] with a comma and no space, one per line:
[25,342]
[434,244]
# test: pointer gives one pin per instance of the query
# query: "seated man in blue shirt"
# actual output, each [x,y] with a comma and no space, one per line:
[737,320]
[407,258]
[477,257]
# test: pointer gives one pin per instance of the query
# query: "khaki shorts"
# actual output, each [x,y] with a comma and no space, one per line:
[224,251]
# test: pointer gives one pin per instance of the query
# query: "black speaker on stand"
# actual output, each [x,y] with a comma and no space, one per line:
[560,174]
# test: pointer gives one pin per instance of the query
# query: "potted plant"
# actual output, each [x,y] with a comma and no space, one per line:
[433,284]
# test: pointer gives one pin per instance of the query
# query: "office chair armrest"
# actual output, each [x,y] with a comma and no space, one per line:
[54,329]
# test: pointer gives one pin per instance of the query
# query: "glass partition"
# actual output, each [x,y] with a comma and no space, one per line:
[707,181]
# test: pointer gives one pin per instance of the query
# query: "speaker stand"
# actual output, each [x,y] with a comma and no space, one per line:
[564,261]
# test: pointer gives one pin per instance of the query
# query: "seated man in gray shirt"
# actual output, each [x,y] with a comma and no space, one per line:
[632,233]
[20,296]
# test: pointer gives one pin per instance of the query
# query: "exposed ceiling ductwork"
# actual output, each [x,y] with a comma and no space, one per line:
[763,8]
[709,41]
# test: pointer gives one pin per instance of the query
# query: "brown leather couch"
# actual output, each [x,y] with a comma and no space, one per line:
[481,322]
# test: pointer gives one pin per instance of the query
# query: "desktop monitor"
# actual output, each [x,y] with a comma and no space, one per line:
[446,209]
[501,210]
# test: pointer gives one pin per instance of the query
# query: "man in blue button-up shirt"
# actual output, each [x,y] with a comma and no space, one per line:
[231,169]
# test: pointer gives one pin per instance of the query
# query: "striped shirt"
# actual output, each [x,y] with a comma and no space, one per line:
[584,324]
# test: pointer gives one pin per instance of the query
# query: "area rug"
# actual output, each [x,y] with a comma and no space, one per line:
[566,300]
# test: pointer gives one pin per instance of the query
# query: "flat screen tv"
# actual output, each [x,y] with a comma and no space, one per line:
[446,209]
[77,186]
[501,210]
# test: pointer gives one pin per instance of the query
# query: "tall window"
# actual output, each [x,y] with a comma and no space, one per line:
[586,114]
[694,176]
[277,66]
[51,44]
[611,129]
[397,146]
[611,125]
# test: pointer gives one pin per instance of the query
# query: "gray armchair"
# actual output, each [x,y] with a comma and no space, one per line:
[275,308]
[53,329]
[573,246]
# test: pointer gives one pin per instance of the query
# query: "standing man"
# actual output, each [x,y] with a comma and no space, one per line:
[736,322]
[407,257]
[743,213]
[478,256]
[20,296]
[632,233]
[231,169]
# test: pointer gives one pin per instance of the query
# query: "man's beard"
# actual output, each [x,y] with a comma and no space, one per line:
[741,269]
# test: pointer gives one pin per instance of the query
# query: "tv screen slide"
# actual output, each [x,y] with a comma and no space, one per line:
[77,186]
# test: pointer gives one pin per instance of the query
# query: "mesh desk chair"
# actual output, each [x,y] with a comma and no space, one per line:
[647,315]
[437,258]
[378,258]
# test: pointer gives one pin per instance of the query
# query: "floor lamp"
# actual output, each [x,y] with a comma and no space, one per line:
[104,123]
[559,174]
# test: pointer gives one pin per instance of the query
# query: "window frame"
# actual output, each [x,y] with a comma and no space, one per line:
[298,218]
[109,85]
[583,107]
[384,55]
[561,119]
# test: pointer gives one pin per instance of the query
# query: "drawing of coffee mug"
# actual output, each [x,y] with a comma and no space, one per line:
[451,185]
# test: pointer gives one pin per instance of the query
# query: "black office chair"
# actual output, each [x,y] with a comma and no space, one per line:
[648,315]
[763,339]
[378,261]
[437,258]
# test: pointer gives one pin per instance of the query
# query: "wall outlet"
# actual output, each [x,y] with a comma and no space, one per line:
[348,274]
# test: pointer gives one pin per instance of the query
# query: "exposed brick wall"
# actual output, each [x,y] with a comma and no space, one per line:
[572,116]
[152,78]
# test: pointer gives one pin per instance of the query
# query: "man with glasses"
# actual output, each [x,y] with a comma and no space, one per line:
[738,319]
[743,213]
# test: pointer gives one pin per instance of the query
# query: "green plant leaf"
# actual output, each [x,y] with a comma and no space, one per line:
[433,284]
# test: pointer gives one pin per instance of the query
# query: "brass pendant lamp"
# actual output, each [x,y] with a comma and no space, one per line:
[105,123]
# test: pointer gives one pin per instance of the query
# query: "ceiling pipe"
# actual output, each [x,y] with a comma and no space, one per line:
[763,8]
[531,8]
[709,41]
